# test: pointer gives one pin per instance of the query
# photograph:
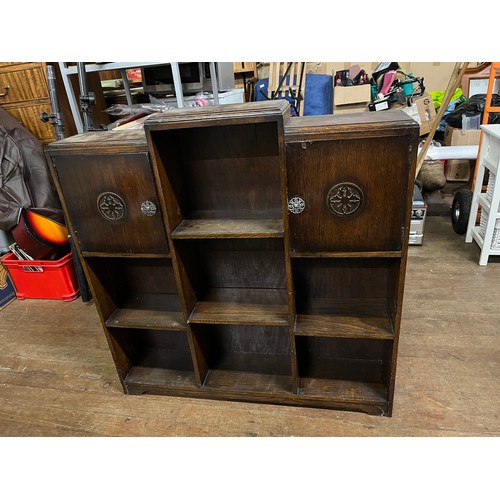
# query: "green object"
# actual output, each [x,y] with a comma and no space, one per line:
[438,96]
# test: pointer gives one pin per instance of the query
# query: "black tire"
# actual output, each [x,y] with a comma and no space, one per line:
[460,210]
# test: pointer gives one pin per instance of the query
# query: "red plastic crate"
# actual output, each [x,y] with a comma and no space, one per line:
[57,280]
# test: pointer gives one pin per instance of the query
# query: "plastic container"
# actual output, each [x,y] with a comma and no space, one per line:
[54,279]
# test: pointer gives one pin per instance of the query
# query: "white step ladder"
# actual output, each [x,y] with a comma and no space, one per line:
[487,233]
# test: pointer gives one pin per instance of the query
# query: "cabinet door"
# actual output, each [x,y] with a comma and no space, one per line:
[112,202]
[347,195]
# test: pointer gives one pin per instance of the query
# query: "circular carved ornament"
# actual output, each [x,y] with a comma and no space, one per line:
[111,207]
[296,205]
[344,199]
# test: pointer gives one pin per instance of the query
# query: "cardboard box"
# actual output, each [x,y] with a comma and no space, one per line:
[457,170]
[459,137]
[351,99]
[424,112]
[354,94]
[7,290]
[350,108]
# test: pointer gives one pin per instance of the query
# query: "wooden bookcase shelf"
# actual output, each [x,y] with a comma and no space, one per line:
[253,256]
[148,310]
[246,306]
[152,357]
[228,228]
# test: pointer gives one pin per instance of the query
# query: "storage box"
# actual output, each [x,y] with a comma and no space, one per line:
[457,170]
[43,279]
[7,290]
[459,137]
[351,99]
[426,112]
[350,108]
[423,112]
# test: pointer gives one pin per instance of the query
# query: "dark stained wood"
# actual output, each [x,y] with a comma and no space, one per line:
[230,228]
[251,373]
[92,143]
[125,281]
[364,320]
[242,306]
[233,263]
[128,178]
[154,353]
[346,380]
[346,255]
[314,168]
[240,180]
[236,298]
[348,126]
[254,112]
[161,311]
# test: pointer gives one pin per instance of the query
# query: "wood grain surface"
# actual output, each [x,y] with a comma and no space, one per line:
[57,377]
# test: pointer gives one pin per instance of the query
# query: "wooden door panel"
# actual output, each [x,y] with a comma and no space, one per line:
[353,192]
[105,196]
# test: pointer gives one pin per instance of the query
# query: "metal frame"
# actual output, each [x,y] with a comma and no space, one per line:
[67,70]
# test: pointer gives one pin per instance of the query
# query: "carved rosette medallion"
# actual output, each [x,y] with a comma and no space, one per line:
[344,199]
[111,207]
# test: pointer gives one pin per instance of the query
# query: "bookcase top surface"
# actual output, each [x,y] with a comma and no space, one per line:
[245,111]
[368,122]
[122,141]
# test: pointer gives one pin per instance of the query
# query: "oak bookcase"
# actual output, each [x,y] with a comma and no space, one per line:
[236,253]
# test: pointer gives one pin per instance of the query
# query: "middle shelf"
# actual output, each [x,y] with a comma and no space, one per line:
[228,228]
[242,306]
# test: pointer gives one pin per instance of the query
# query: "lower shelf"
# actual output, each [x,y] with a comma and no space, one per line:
[153,370]
[345,380]
[251,373]
[255,364]
[150,357]
[237,381]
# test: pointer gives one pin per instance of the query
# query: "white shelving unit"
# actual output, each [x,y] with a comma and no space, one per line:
[487,233]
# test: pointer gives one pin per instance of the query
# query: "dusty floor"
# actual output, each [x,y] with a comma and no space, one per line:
[57,377]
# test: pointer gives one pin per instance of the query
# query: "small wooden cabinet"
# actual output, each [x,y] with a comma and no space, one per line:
[24,94]
[272,269]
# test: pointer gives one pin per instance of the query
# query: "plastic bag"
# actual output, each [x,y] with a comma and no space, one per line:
[473,106]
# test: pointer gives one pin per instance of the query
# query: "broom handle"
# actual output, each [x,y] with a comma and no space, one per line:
[455,78]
